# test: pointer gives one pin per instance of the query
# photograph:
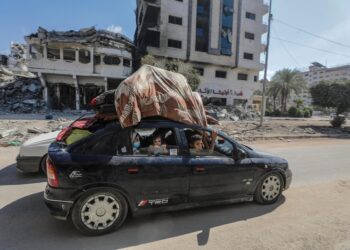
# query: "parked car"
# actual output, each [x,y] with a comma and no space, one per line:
[33,152]
[98,180]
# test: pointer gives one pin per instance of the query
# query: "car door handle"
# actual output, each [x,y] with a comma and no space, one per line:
[199,169]
[133,170]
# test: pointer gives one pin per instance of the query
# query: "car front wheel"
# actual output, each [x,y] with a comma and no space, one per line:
[269,189]
[99,211]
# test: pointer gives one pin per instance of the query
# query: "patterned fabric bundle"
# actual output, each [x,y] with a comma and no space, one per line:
[152,91]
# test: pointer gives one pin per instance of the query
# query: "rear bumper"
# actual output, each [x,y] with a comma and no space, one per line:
[58,202]
[289,177]
[28,164]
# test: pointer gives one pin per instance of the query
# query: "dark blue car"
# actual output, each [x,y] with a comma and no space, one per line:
[113,172]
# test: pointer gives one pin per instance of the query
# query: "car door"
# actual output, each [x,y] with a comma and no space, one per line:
[217,176]
[154,181]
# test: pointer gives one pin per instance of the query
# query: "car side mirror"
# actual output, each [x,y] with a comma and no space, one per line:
[239,154]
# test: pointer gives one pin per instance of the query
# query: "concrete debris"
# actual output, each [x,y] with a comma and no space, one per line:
[34,130]
[309,131]
[8,132]
[15,132]
[21,95]
[233,113]
[17,61]
[85,35]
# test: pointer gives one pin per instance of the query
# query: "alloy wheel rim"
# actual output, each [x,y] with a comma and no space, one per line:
[271,187]
[100,211]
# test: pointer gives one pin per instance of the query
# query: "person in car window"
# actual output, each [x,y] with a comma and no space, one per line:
[197,144]
[136,143]
[157,148]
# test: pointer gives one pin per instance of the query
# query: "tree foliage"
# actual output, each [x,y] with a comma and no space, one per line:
[283,84]
[332,95]
[177,66]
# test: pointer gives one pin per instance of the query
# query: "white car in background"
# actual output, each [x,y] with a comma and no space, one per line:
[32,154]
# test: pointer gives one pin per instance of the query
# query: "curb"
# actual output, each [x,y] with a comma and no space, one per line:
[286,137]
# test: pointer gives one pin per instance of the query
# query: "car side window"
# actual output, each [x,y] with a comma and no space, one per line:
[154,141]
[200,143]
[113,143]
[99,145]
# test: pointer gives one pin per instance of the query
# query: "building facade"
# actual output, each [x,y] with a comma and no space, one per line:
[317,73]
[75,66]
[220,38]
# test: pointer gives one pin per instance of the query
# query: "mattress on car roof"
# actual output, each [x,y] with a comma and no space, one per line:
[152,91]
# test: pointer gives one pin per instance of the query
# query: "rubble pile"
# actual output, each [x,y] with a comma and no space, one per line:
[22,95]
[233,113]
[16,132]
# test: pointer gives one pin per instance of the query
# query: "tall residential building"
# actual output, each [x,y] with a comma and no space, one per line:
[317,73]
[220,38]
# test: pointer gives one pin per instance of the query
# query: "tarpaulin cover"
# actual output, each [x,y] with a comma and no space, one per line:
[152,91]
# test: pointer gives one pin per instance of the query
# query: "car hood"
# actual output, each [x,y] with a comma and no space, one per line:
[45,138]
[261,154]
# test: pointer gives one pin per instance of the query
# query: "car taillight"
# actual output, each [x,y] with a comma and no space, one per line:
[63,134]
[93,102]
[52,177]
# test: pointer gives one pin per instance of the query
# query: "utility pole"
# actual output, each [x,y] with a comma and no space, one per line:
[263,104]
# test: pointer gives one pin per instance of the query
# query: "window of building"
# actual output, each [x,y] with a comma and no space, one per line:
[250,15]
[97,59]
[69,55]
[226,28]
[248,56]
[175,20]
[199,70]
[111,60]
[126,62]
[242,76]
[202,25]
[220,74]
[249,35]
[53,53]
[179,0]
[255,78]
[84,56]
[36,51]
[174,43]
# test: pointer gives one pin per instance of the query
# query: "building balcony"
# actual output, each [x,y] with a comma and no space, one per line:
[264,28]
[265,7]
[149,17]
[150,37]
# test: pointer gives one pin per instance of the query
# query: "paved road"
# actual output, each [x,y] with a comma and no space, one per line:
[26,224]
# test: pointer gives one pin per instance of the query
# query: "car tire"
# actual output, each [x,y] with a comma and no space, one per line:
[99,211]
[269,188]
[43,165]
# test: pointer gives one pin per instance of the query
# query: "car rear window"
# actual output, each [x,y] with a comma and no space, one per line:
[111,143]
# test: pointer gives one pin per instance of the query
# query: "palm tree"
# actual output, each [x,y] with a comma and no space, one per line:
[274,90]
[285,82]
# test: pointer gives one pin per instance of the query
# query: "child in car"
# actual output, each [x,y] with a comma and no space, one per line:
[157,148]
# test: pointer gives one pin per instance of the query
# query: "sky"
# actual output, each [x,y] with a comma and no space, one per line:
[327,18]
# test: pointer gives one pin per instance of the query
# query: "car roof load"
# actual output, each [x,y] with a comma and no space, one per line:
[152,91]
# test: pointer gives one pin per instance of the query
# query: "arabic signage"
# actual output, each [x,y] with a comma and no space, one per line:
[223,92]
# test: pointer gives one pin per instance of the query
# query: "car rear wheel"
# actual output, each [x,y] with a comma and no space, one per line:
[99,211]
[269,189]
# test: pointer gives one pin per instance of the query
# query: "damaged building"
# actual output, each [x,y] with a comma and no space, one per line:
[75,66]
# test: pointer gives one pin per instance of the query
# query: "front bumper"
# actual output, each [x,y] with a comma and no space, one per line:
[57,202]
[28,164]
[289,176]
